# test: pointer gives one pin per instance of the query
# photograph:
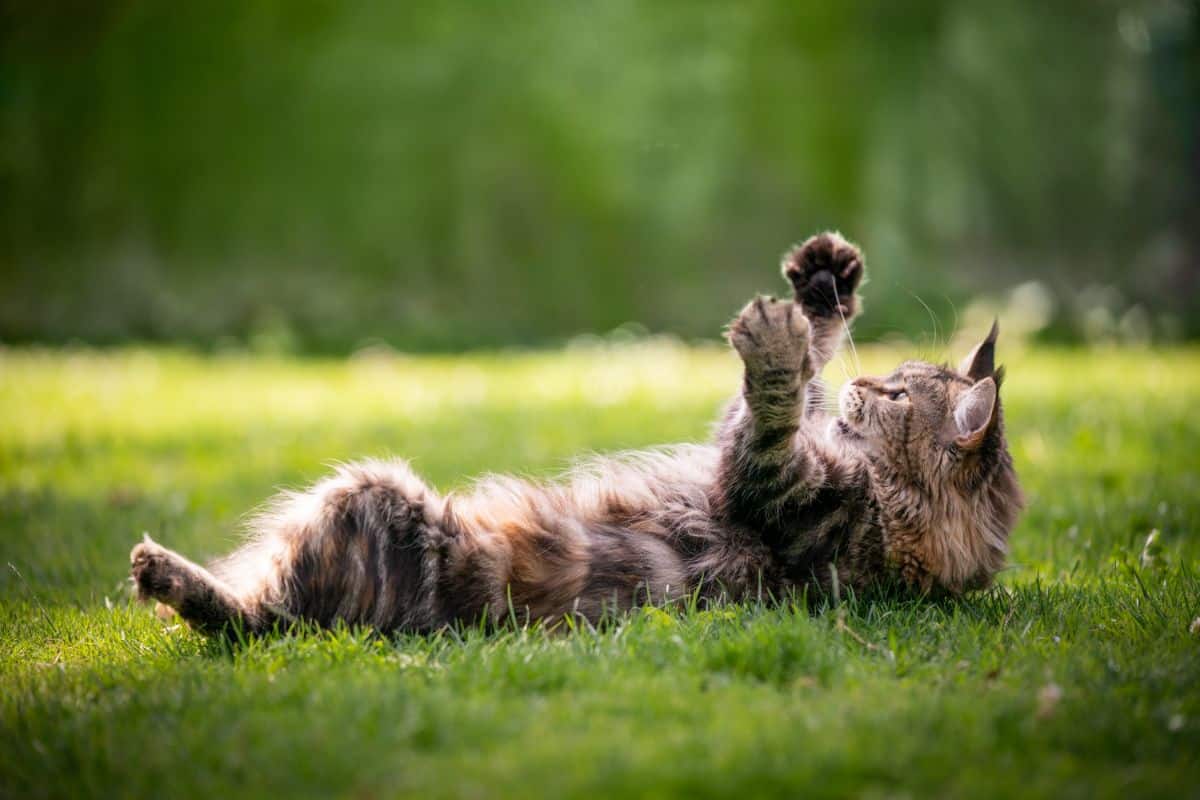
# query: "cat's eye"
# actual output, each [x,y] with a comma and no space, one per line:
[899,394]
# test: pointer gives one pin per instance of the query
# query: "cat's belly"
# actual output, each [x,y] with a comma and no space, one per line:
[606,540]
[570,568]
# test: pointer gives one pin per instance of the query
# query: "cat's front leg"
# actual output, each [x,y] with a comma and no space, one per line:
[765,463]
[771,337]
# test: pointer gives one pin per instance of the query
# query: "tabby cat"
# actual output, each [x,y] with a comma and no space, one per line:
[912,486]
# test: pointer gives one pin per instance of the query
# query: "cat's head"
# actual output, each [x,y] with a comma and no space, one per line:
[934,439]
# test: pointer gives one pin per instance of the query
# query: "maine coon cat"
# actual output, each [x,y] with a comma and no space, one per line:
[912,485]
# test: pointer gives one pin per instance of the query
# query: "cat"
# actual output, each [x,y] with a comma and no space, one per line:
[912,486]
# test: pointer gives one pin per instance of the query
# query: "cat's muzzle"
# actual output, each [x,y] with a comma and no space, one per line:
[851,404]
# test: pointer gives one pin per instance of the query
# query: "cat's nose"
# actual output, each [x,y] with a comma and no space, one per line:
[861,382]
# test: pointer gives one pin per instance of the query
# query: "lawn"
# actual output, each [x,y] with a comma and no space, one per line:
[1076,677]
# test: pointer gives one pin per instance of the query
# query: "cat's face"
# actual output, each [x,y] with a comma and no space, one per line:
[927,424]
[935,441]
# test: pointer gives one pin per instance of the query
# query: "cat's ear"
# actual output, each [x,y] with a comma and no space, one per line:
[974,413]
[982,361]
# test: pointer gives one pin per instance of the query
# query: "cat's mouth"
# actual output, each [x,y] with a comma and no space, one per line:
[844,430]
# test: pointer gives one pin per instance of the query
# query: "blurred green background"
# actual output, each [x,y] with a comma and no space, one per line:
[316,176]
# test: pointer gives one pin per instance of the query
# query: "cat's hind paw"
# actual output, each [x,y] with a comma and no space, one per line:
[157,573]
[825,272]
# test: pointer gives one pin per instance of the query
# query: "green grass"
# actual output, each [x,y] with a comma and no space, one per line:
[1077,677]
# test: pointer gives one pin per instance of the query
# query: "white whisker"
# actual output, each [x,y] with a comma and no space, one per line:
[932,318]
[954,329]
[841,362]
[846,327]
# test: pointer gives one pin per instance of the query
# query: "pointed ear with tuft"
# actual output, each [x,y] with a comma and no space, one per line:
[982,361]
[974,414]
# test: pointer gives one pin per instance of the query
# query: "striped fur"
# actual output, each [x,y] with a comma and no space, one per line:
[784,498]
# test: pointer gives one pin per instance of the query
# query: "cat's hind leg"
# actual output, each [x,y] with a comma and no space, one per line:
[203,600]
[361,547]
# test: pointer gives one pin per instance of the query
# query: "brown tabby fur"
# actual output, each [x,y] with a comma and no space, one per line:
[912,486]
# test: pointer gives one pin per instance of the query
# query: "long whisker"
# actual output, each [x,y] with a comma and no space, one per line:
[954,309]
[932,317]
[841,362]
[849,337]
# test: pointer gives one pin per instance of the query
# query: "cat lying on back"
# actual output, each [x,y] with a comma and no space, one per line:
[911,486]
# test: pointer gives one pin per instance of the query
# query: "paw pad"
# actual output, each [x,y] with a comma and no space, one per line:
[824,272]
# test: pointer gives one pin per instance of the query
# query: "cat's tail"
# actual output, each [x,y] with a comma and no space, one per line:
[362,547]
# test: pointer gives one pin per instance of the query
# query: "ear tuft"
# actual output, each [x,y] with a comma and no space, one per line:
[982,361]
[974,413]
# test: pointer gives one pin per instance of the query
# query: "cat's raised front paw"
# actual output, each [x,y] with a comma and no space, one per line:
[825,272]
[771,334]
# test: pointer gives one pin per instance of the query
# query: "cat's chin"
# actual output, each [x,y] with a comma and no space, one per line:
[841,431]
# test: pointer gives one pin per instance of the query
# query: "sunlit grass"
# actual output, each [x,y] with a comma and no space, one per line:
[1077,677]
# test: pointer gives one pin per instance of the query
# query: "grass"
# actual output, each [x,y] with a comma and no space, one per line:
[1078,677]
